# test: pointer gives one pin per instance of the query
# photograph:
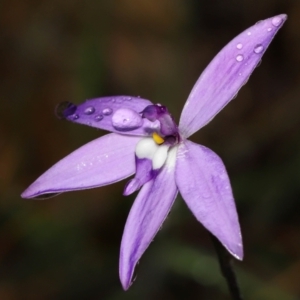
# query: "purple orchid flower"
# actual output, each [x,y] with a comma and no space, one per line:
[145,141]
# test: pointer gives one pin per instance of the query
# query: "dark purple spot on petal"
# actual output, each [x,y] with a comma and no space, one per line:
[150,113]
[65,109]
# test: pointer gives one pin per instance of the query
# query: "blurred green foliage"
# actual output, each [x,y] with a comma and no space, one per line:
[67,247]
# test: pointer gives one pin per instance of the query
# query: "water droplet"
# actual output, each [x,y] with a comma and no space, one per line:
[258,48]
[240,74]
[276,21]
[89,110]
[107,111]
[98,118]
[249,33]
[239,46]
[75,117]
[239,58]
[127,98]
[65,109]
[269,29]
[125,119]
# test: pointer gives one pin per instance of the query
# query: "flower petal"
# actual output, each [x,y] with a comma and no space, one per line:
[203,182]
[226,74]
[143,174]
[146,216]
[101,162]
[119,114]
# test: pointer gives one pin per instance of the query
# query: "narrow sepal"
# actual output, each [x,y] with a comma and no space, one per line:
[226,74]
[103,161]
[146,216]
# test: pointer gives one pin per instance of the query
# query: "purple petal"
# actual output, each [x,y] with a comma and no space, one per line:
[203,182]
[143,174]
[119,114]
[103,161]
[226,74]
[146,216]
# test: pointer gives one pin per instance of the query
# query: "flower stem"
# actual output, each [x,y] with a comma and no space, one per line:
[226,267]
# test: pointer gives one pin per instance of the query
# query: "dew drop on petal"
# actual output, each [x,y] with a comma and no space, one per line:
[125,119]
[239,58]
[107,111]
[89,110]
[249,33]
[98,118]
[65,109]
[126,98]
[74,117]
[258,48]
[276,21]
[269,29]
[239,46]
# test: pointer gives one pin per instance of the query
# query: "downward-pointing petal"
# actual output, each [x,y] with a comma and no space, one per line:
[203,182]
[103,161]
[146,216]
[226,74]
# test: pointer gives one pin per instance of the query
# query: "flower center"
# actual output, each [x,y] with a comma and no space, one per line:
[151,153]
[157,138]
[168,132]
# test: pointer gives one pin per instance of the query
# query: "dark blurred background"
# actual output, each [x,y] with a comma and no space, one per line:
[67,247]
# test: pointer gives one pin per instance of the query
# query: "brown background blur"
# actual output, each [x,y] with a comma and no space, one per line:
[67,247]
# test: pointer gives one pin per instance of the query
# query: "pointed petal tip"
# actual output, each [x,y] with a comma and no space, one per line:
[237,252]
[282,16]
[125,284]
[32,193]
[127,275]
[131,186]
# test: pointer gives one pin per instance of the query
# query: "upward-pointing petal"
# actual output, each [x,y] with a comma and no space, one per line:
[103,161]
[226,74]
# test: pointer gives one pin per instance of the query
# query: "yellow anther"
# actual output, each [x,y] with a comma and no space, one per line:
[157,138]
